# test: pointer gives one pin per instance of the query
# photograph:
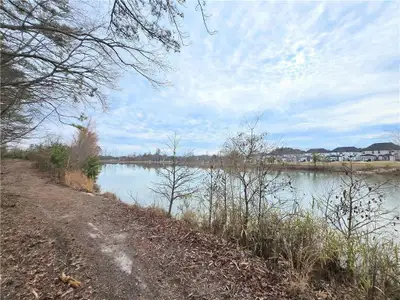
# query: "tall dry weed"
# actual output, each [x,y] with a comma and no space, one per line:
[79,181]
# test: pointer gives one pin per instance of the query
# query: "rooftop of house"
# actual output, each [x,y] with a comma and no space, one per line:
[346,149]
[373,147]
[318,150]
[286,151]
[382,146]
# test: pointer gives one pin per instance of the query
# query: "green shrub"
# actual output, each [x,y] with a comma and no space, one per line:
[59,156]
[92,167]
[14,153]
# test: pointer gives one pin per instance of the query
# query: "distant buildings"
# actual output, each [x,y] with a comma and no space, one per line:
[322,153]
[346,153]
[287,154]
[374,152]
[382,151]
[367,157]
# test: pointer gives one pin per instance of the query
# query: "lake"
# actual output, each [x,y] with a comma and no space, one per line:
[131,183]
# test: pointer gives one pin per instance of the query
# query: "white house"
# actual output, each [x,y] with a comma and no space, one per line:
[335,157]
[367,157]
[383,151]
[305,158]
[322,152]
[287,154]
[387,157]
[377,151]
[346,153]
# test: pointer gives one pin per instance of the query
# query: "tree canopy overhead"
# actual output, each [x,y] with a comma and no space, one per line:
[54,57]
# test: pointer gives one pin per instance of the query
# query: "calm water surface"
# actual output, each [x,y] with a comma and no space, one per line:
[132,182]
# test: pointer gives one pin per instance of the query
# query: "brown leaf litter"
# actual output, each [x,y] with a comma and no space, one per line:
[48,230]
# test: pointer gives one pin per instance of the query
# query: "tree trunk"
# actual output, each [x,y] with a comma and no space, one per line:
[246,216]
[260,198]
[225,204]
[171,201]
[211,200]
[350,250]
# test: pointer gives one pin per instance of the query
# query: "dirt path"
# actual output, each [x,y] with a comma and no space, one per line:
[115,251]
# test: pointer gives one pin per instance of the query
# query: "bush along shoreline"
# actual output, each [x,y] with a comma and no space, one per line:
[76,164]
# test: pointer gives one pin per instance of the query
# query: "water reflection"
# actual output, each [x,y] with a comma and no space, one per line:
[131,183]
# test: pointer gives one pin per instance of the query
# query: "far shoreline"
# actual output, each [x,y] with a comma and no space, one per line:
[375,167]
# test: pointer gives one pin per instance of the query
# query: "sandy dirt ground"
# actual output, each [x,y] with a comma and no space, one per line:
[115,251]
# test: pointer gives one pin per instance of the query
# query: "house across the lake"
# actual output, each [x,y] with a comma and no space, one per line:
[383,151]
[375,152]
[287,154]
[322,152]
[346,153]
[367,157]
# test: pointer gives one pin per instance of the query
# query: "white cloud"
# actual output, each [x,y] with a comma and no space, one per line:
[241,81]
[377,110]
[309,66]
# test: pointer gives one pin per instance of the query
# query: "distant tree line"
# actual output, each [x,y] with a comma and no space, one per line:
[158,157]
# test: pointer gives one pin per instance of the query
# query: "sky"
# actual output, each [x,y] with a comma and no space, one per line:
[321,74]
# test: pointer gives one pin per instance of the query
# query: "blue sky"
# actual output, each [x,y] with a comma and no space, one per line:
[323,74]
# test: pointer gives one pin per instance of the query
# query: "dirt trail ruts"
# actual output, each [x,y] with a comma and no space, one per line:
[113,250]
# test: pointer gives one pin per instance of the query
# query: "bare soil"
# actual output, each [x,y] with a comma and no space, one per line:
[114,250]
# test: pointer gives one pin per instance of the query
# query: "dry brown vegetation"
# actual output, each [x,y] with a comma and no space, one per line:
[111,196]
[331,244]
[79,181]
[75,165]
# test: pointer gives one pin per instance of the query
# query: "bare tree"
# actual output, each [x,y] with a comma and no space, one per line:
[55,60]
[62,60]
[396,138]
[270,182]
[356,209]
[210,187]
[246,152]
[222,181]
[138,19]
[176,178]
[17,120]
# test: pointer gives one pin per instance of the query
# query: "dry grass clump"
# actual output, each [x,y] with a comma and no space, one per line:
[298,287]
[158,211]
[79,181]
[189,217]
